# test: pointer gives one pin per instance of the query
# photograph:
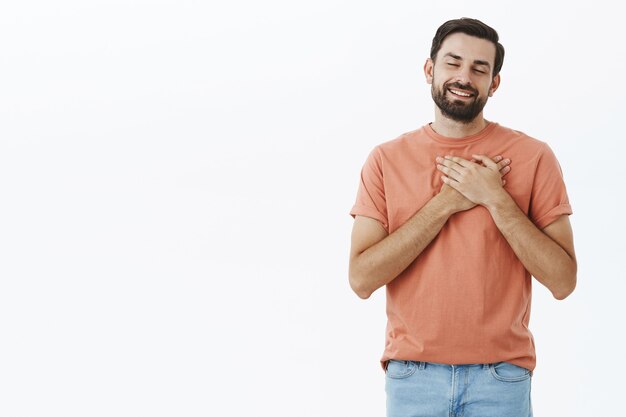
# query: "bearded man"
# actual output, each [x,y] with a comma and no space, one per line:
[454,219]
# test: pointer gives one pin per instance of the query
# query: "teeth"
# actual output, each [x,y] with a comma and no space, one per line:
[460,93]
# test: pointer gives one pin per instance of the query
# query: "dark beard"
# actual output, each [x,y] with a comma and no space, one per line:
[458,110]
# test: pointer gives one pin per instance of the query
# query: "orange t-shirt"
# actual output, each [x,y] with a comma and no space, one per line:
[466,298]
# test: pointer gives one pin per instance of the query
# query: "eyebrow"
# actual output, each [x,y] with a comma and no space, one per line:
[476,61]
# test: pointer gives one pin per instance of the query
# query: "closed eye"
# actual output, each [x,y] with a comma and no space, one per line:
[453,65]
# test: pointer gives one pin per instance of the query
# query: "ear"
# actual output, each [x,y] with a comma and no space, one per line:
[495,83]
[428,70]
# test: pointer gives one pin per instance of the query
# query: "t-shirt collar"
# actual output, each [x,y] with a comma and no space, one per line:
[460,141]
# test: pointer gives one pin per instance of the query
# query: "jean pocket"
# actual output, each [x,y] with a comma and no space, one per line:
[398,369]
[507,372]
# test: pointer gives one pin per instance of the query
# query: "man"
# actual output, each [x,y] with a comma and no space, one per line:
[455,243]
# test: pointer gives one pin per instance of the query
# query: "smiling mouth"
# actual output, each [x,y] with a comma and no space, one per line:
[460,93]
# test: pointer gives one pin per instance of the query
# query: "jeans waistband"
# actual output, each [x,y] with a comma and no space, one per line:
[422,365]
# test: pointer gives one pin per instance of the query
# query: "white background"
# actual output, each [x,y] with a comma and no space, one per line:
[175,182]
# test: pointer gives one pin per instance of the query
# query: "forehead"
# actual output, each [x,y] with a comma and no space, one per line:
[468,47]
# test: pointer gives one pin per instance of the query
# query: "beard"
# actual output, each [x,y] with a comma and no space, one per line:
[463,111]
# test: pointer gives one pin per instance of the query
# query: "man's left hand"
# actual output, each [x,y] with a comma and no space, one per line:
[482,184]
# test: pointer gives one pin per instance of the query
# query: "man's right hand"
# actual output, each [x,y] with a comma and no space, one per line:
[457,201]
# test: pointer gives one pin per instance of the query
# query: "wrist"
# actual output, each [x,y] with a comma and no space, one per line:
[500,200]
[443,205]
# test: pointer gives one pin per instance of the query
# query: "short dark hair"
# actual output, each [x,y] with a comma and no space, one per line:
[472,27]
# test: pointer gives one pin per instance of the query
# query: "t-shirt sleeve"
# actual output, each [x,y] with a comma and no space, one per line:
[548,200]
[370,197]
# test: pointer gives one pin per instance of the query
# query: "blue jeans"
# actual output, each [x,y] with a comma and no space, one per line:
[428,389]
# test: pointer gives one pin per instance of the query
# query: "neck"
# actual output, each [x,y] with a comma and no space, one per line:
[453,129]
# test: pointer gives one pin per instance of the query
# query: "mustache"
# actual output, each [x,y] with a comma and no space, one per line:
[462,87]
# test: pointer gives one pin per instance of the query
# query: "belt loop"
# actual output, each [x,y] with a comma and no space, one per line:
[422,365]
[485,366]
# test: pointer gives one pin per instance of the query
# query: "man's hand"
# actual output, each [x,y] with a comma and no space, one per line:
[467,183]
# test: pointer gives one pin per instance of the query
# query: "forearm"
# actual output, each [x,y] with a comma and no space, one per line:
[548,262]
[384,261]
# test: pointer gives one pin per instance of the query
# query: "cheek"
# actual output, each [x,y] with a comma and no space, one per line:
[483,89]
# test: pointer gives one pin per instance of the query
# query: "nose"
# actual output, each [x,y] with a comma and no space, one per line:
[462,78]
[463,75]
